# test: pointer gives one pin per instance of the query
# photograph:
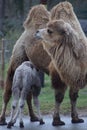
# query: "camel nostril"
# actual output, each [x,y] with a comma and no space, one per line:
[37,31]
[38,34]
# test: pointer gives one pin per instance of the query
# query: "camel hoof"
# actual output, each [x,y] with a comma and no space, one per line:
[34,119]
[3,121]
[57,123]
[77,121]
[9,125]
[21,125]
[42,122]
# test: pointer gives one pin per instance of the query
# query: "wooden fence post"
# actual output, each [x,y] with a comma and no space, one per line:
[2,61]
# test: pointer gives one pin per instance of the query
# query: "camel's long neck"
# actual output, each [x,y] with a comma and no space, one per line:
[68,67]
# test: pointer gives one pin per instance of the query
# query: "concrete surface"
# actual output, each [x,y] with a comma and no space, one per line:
[48,124]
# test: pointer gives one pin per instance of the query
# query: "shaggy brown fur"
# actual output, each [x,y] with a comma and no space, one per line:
[67,51]
[64,10]
[29,48]
[66,43]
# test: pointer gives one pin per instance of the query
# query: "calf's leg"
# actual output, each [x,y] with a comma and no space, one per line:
[12,120]
[21,107]
[37,105]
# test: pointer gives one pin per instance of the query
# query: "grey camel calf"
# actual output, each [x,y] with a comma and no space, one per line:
[25,80]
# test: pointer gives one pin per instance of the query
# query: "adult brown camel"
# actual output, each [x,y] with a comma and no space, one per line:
[28,47]
[66,44]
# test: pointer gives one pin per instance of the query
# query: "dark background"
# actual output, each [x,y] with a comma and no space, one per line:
[13,12]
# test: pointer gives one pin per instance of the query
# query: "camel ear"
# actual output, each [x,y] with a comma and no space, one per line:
[68,29]
[64,31]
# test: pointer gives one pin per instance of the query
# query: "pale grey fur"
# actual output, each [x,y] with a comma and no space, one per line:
[25,80]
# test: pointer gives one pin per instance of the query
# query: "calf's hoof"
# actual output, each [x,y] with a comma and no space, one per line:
[3,121]
[77,121]
[21,125]
[42,122]
[9,125]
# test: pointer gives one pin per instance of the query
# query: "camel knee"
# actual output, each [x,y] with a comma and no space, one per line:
[14,104]
[59,97]
[21,103]
[36,101]
[21,106]
[73,96]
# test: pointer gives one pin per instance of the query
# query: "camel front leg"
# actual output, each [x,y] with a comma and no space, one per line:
[73,93]
[59,89]
[59,95]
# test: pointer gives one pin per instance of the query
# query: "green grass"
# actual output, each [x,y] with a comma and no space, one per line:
[47,100]
[47,97]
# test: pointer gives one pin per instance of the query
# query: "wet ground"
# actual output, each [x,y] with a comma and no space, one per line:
[48,124]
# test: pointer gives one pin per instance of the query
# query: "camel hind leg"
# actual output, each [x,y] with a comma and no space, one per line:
[13,118]
[37,105]
[15,99]
[33,117]
[6,96]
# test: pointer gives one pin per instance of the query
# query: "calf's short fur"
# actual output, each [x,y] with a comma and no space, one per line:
[26,79]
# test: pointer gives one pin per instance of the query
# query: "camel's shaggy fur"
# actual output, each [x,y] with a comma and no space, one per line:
[64,10]
[28,47]
[68,52]
[66,44]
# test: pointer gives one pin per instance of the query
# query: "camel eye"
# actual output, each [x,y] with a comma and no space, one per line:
[49,31]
